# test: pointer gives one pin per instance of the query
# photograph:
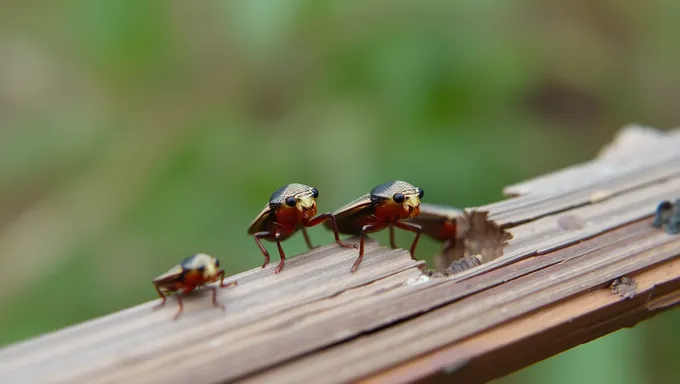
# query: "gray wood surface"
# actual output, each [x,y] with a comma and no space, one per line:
[573,233]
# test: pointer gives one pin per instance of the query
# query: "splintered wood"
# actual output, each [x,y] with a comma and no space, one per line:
[581,260]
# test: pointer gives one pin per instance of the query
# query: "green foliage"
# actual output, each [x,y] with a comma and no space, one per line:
[143,132]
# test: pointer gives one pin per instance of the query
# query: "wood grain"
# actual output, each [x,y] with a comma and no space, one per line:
[573,233]
[485,310]
[139,334]
[559,327]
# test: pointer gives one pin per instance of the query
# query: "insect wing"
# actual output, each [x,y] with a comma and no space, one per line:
[258,224]
[293,189]
[348,215]
[167,282]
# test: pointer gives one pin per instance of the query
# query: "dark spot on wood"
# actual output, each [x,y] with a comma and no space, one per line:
[570,223]
[456,366]
[428,272]
[624,287]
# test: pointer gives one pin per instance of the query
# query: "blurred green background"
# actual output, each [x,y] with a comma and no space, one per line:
[135,133]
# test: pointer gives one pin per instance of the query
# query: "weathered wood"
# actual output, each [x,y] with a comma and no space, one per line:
[140,333]
[573,233]
[528,339]
[578,185]
[625,156]
[485,310]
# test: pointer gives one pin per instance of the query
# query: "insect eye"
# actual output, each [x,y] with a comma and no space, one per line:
[290,201]
[398,197]
[201,268]
[315,193]
[217,263]
[421,193]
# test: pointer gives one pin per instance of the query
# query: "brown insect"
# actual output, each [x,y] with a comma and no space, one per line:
[387,205]
[290,208]
[193,272]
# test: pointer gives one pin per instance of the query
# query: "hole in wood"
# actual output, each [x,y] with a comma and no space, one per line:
[468,238]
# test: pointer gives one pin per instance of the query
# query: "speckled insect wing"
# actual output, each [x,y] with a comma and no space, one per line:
[196,261]
[387,190]
[279,196]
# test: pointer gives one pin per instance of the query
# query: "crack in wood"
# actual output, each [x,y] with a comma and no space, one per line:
[624,287]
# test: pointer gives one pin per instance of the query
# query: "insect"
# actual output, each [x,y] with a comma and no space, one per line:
[387,205]
[668,215]
[664,211]
[290,208]
[193,272]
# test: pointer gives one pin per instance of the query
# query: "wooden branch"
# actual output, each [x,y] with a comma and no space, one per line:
[573,232]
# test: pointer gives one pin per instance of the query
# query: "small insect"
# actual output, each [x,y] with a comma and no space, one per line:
[387,205]
[664,211]
[290,208]
[193,272]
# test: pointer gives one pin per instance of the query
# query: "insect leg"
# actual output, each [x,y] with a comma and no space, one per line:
[413,228]
[393,243]
[181,306]
[257,236]
[222,285]
[165,298]
[214,298]
[309,242]
[325,216]
[279,268]
[368,228]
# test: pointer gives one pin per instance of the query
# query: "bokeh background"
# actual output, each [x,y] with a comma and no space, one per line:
[135,133]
